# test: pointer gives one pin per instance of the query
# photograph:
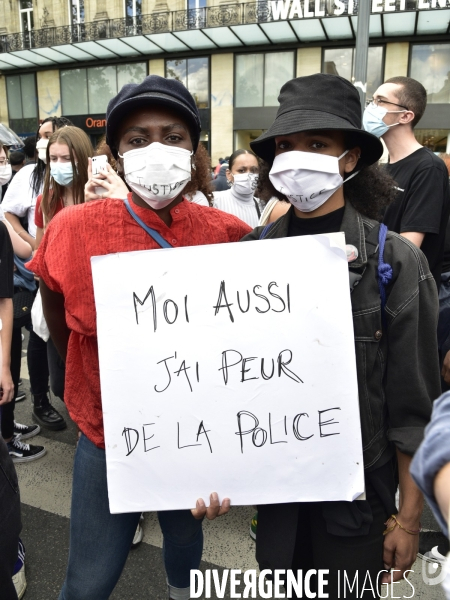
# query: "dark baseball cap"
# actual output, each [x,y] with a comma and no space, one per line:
[319,102]
[154,90]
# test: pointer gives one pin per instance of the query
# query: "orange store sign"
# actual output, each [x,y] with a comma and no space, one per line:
[95,123]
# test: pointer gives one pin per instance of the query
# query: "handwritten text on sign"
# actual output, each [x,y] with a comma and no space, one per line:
[228,368]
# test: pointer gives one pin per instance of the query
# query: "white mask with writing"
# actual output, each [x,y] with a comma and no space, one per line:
[157,173]
[41,148]
[245,183]
[307,179]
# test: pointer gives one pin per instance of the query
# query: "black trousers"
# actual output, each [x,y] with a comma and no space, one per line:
[353,562]
[10,524]
[57,370]
[37,364]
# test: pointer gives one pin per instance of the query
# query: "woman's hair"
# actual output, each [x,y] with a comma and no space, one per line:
[237,153]
[80,148]
[370,191]
[37,177]
[201,175]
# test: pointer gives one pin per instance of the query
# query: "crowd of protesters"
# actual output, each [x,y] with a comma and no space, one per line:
[316,170]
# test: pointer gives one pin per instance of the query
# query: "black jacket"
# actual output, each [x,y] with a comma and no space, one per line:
[397,365]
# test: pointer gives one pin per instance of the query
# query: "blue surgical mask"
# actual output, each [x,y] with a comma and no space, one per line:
[62,173]
[373,120]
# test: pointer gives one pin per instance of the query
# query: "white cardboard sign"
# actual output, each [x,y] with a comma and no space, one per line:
[229,369]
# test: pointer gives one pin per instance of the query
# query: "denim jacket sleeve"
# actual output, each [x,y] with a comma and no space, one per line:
[412,380]
[433,454]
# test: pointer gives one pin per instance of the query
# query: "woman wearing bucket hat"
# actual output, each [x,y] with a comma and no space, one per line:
[153,129]
[320,161]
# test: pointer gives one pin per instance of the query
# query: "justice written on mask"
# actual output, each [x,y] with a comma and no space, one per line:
[307,179]
[157,173]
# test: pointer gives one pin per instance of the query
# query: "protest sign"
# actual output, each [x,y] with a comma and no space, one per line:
[229,369]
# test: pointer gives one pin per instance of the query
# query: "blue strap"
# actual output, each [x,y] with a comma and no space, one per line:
[384,271]
[151,232]
[265,231]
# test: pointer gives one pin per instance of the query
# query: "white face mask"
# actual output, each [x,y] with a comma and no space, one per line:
[5,174]
[157,173]
[245,183]
[307,179]
[41,148]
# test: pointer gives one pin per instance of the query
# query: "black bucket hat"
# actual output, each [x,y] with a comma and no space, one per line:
[153,90]
[319,102]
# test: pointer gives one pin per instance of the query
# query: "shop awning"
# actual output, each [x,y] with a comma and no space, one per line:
[225,26]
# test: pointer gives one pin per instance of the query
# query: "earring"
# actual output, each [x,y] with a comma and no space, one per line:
[193,167]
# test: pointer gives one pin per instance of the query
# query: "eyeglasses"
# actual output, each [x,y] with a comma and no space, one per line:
[3,162]
[379,102]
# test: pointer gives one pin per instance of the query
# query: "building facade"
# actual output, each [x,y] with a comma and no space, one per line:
[69,57]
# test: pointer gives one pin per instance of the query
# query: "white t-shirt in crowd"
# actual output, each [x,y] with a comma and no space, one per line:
[198,198]
[242,207]
[20,199]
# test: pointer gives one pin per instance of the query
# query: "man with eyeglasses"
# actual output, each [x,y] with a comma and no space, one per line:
[421,209]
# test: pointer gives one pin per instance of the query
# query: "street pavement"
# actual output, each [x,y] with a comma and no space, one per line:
[45,487]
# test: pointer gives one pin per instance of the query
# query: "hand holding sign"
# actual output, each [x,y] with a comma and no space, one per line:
[215,509]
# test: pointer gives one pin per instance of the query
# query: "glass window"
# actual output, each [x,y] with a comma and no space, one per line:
[430,64]
[14,97]
[22,102]
[338,61]
[259,77]
[195,4]
[133,8]
[176,69]
[279,68]
[194,74]
[434,139]
[102,86]
[88,91]
[29,105]
[132,73]
[26,15]
[74,94]
[249,79]
[341,61]
[77,11]
[198,80]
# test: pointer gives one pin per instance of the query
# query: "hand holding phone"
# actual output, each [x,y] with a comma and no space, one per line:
[98,166]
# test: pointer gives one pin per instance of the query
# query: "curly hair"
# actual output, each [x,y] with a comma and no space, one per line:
[370,192]
[201,175]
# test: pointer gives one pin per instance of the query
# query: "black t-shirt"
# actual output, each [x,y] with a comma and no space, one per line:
[6,264]
[328,223]
[422,203]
